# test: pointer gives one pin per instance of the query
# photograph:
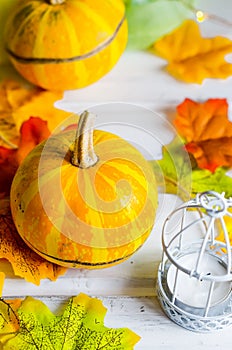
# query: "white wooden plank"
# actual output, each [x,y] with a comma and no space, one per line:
[139,77]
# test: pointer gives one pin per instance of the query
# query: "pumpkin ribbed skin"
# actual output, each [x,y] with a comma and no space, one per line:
[68,45]
[90,218]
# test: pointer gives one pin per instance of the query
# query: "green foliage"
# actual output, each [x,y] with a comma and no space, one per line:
[180,175]
[173,171]
[204,180]
[81,326]
[149,20]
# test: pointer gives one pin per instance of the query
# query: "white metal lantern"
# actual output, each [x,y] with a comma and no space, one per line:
[195,275]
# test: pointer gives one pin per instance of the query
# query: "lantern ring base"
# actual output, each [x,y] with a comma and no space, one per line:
[196,323]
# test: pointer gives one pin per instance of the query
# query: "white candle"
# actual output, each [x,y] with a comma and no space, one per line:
[192,291]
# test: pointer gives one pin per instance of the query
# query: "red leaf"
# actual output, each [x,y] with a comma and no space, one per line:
[32,132]
[207,131]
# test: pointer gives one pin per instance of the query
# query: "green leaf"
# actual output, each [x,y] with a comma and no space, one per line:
[81,326]
[173,171]
[149,20]
[179,174]
[204,180]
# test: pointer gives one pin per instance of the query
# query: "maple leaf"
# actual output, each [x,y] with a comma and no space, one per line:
[32,132]
[25,262]
[81,326]
[207,131]
[183,181]
[173,171]
[193,58]
[201,121]
[19,102]
[9,320]
[204,180]
[212,154]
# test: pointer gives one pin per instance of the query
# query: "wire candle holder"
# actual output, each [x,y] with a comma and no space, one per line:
[195,276]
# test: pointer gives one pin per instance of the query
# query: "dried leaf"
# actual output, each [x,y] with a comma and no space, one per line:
[81,326]
[191,57]
[32,132]
[25,263]
[18,103]
[207,131]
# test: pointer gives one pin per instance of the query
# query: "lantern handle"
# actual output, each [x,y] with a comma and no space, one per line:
[214,203]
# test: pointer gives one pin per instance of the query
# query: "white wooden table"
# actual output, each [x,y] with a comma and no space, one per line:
[128,290]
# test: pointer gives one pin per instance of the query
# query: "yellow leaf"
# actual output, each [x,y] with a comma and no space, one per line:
[25,262]
[191,57]
[41,105]
[17,94]
[18,103]
[9,324]
[80,326]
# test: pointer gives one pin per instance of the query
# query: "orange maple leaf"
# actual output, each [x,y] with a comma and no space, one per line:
[32,132]
[207,131]
[193,58]
[25,262]
[19,102]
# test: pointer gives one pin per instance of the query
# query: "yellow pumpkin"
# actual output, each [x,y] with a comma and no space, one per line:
[87,203]
[65,44]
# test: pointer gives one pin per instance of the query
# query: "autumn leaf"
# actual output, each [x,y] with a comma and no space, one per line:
[174,169]
[80,326]
[207,131]
[201,180]
[204,180]
[191,57]
[201,121]
[32,132]
[19,102]
[25,262]
[12,95]
[9,320]
[212,154]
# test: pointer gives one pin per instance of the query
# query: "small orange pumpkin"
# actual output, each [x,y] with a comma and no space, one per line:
[86,203]
[65,44]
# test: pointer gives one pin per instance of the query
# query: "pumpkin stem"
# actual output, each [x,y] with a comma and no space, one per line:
[83,154]
[56,2]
